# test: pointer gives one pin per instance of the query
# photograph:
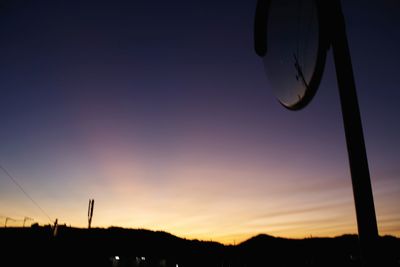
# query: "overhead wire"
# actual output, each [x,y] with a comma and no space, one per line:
[25,192]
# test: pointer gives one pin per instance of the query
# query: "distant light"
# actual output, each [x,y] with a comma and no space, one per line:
[117,258]
[177,265]
[143,258]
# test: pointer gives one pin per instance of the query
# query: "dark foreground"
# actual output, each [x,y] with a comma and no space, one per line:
[36,246]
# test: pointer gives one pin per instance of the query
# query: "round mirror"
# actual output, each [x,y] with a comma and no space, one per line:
[295,55]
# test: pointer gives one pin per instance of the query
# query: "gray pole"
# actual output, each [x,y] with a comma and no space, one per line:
[90,212]
[360,177]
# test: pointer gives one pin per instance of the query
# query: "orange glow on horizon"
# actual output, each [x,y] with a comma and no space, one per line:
[200,193]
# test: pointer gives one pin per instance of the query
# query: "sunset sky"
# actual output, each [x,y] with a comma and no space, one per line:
[161,112]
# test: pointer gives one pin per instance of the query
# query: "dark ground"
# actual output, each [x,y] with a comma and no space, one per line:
[36,246]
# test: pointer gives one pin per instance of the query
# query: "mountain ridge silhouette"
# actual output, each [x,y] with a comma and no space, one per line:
[99,247]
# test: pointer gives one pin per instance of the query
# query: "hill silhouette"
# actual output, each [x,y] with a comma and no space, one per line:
[114,246]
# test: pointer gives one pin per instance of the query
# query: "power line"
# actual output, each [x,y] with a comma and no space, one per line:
[25,193]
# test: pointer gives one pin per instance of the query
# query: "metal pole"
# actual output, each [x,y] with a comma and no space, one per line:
[360,177]
[90,212]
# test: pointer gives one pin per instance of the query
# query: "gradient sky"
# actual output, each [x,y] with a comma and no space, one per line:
[161,112]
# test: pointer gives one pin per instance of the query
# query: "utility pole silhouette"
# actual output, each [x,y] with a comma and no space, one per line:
[90,212]
[26,219]
[8,219]
[55,228]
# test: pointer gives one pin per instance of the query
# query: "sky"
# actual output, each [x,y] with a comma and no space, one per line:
[161,111]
